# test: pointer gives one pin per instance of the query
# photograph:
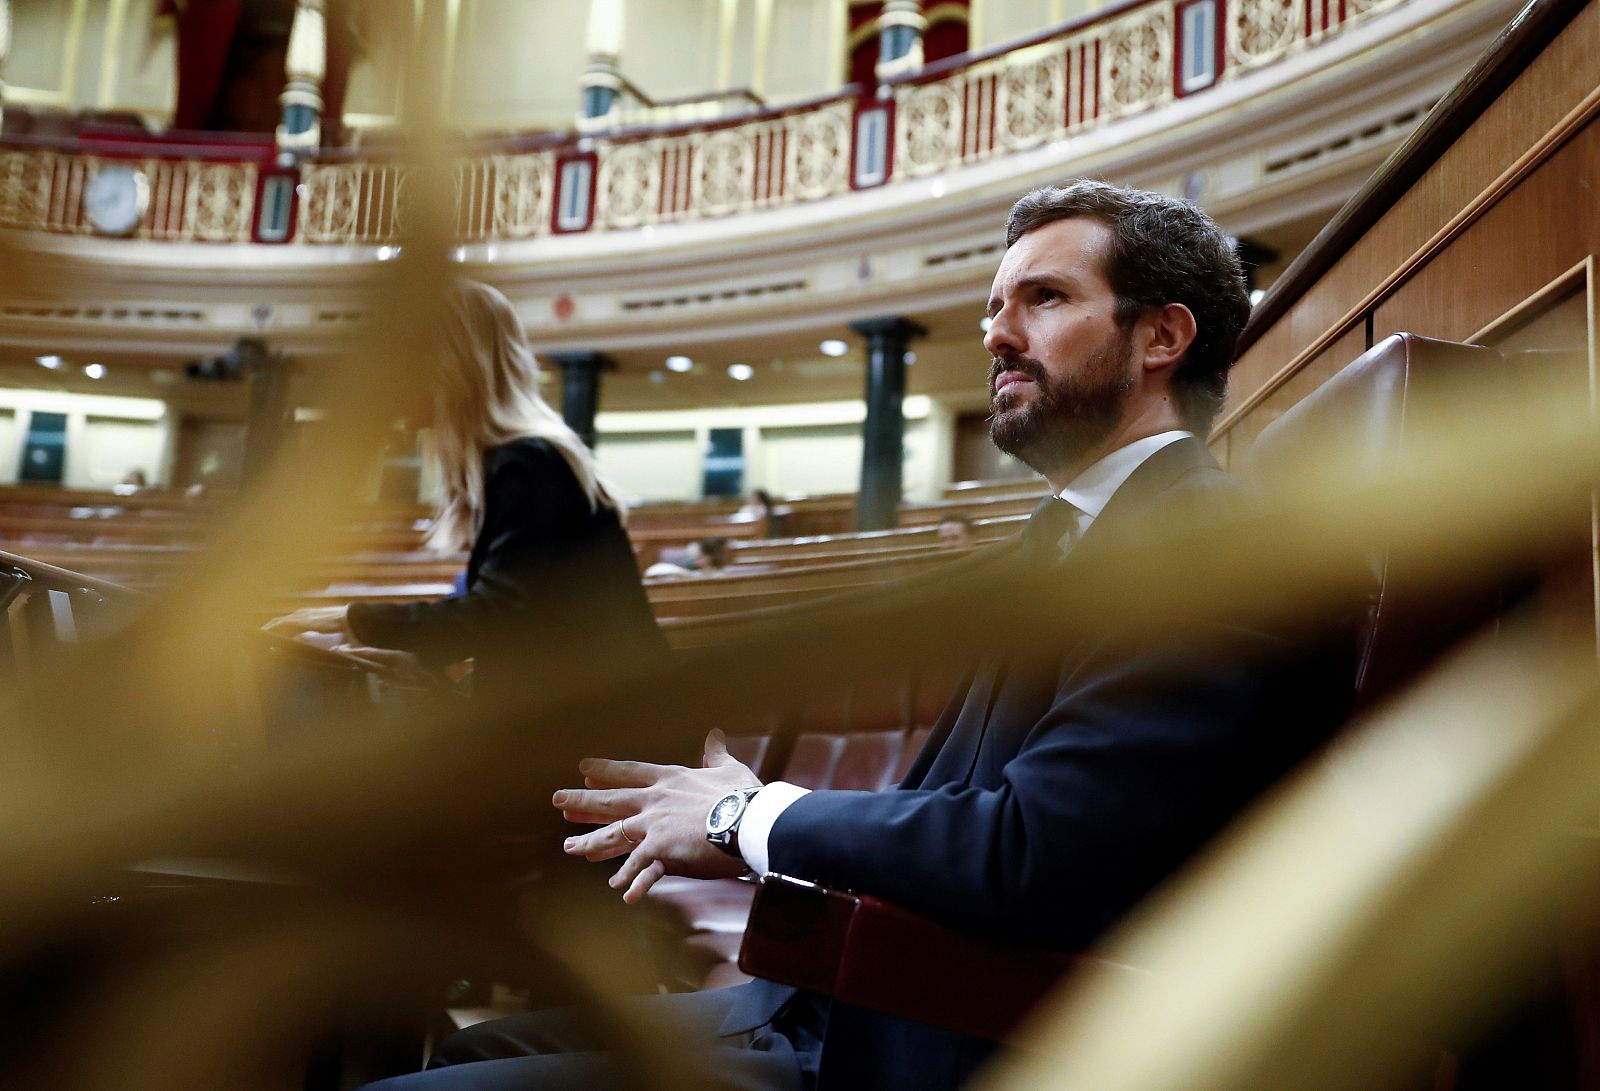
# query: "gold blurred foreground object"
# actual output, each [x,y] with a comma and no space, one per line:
[1378,902]
[361,814]
[1382,897]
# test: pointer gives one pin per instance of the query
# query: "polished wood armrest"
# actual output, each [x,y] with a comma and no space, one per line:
[874,954]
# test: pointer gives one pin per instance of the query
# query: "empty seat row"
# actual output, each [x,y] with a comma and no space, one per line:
[864,740]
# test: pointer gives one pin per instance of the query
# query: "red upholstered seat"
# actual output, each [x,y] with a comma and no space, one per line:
[813,760]
[869,760]
[750,749]
[916,739]
[863,740]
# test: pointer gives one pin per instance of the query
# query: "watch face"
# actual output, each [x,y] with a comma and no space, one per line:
[116,199]
[725,813]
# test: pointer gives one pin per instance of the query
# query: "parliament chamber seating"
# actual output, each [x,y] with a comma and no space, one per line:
[43,608]
[859,948]
[864,740]
[862,544]
[937,511]
[144,538]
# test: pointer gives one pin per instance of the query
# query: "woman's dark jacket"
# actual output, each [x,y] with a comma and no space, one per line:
[549,578]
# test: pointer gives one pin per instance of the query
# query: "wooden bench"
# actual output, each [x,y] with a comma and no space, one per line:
[937,511]
[864,543]
[733,592]
[995,490]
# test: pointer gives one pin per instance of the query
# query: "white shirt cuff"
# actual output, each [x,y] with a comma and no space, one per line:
[756,825]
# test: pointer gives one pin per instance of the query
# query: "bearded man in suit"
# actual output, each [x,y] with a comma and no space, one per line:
[1056,789]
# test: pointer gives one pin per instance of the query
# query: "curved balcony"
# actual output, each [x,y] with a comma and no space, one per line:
[1261,109]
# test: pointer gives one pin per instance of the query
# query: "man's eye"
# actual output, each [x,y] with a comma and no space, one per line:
[1048,295]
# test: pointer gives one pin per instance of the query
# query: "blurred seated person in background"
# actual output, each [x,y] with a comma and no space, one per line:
[1065,778]
[702,557]
[955,532]
[551,573]
[760,506]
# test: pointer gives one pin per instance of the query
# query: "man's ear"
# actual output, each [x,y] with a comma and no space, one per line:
[1171,331]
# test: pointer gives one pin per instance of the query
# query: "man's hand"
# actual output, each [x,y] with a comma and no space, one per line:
[655,815]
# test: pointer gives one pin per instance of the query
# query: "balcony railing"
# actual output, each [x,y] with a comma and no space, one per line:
[1088,74]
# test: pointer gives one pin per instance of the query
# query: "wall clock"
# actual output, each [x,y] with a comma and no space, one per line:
[116,200]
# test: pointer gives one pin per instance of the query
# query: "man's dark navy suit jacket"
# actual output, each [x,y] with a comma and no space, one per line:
[1049,799]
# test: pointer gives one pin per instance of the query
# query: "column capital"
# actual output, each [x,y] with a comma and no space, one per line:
[582,358]
[889,326]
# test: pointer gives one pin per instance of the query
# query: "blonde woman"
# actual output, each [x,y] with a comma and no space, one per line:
[551,572]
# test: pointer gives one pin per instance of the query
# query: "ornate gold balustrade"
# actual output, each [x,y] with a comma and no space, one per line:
[801,155]
[1125,62]
[189,200]
[1130,60]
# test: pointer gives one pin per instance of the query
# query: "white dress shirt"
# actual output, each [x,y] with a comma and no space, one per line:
[1088,493]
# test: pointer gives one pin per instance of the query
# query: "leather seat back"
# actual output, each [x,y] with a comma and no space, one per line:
[1366,410]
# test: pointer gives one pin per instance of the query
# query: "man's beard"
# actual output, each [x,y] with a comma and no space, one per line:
[1067,417]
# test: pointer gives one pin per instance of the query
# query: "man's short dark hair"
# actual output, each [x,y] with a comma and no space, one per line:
[1163,251]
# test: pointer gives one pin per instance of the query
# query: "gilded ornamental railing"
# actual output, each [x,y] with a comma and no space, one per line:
[184,200]
[1125,61]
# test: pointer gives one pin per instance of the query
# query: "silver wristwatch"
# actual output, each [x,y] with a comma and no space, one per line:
[722,821]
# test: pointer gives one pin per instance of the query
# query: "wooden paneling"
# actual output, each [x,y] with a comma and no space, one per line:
[1552,86]
[1256,367]
[1534,234]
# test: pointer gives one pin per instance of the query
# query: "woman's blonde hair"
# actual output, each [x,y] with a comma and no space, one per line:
[487,394]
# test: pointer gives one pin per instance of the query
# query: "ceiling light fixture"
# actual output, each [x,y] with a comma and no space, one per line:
[679,363]
[833,347]
[910,358]
[95,371]
[985,323]
[741,372]
[51,361]
[1257,295]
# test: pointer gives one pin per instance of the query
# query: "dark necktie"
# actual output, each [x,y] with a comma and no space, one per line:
[1052,529]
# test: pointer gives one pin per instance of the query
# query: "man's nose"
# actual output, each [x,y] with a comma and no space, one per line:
[1003,337]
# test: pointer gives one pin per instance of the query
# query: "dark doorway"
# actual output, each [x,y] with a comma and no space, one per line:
[723,473]
[44,455]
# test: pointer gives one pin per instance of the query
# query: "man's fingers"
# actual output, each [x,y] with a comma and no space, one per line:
[601,845]
[620,774]
[645,880]
[609,802]
[716,748]
[636,862]
[587,818]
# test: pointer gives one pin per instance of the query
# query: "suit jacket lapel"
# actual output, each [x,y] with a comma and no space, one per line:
[952,753]
[1155,475]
